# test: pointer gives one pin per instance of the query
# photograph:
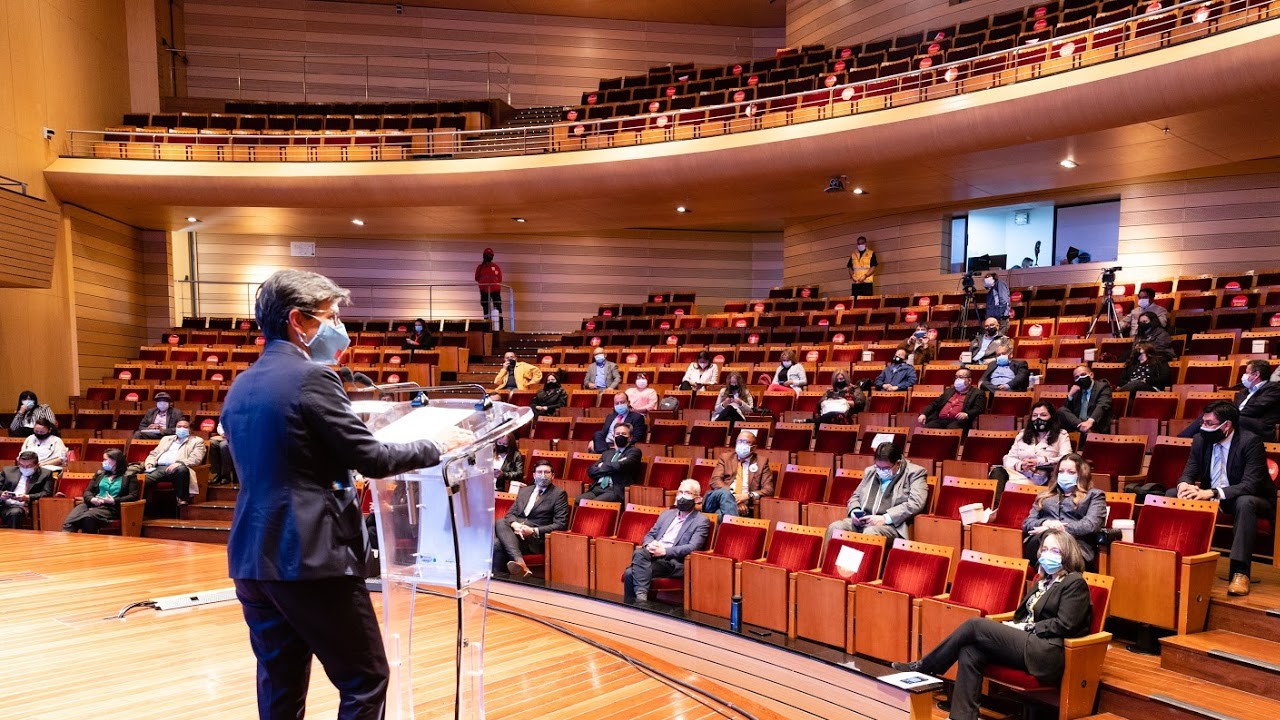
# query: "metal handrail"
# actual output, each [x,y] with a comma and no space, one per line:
[538,138]
[187,300]
[502,66]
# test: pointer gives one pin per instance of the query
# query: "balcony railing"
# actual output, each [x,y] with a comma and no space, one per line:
[1153,30]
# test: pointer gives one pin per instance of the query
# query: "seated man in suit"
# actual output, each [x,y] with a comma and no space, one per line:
[1005,373]
[1088,405]
[892,492]
[21,485]
[1230,465]
[169,461]
[603,375]
[898,374]
[740,479]
[539,509]
[602,440]
[515,375]
[957,407]
[616,469]
[1258,401]
[159,420]
[982,347]
[677,533]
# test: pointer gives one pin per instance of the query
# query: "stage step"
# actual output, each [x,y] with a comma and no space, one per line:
[1136,686]
[202,531]
[1243,662]
[223,493]
[209,511]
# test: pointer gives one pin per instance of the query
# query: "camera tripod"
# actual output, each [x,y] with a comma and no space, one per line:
[1109,309]
[965,309]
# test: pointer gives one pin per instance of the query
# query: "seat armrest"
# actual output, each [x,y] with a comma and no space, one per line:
[1098,638]
[1002,617]
[1201,558]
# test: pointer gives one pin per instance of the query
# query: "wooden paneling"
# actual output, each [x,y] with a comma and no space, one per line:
[28,232]
[841,22]
[110,293]
[1210,221]
[552,59]
[557,279]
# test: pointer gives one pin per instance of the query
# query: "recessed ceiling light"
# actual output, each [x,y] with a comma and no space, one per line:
[859,191]
[682,209]
[192,219]
[1068,163]
[518,219]
[357,222]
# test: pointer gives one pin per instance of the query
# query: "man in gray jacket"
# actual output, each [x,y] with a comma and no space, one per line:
[892,492]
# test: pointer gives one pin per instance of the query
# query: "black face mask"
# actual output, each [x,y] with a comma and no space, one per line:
[1144,327]
[684,504]
[1215,436]
[840,384]
[1039,425]
[991,331]
[1085,382]
[488,258]
[620,441]
[898,360]
[553,382]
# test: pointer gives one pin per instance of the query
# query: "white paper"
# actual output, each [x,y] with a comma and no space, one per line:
[881,438]
[848,561]
[966,357]
[1259,346]
[1090,354]
[912,681]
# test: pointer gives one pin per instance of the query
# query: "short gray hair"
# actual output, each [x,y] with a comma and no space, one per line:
[288,290]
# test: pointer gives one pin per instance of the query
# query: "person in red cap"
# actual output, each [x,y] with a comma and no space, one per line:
[489,278]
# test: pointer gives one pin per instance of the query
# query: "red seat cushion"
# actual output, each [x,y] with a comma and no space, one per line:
[988,588]
[1020,679]
[917,574]
[740,542]
[867,571]
[1186,532]
[794,551]
[634,526]
[594,522]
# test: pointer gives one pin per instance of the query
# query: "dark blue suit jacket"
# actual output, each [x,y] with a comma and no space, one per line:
[294,440]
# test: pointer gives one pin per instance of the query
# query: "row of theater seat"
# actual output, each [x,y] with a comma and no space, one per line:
[977,41]
[252,124]
[354,325]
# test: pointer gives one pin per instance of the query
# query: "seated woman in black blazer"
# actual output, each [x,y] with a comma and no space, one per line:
[1071,503]
[1057,607]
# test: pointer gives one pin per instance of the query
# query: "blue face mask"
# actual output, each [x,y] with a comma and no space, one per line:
[108,466]
[417,328]
[620,408]
[1050,563]
[1002,361]
[182,433]
[328,342]
[920,334]
[1067,482]
[885,474]
[599,359]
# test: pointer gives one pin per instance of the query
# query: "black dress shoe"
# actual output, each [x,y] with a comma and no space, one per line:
[906,667]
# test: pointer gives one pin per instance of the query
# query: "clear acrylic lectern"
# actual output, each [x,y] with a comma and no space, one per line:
[435,533]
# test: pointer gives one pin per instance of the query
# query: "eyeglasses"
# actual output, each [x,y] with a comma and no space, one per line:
[333,319]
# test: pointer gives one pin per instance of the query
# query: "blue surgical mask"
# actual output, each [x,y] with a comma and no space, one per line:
[742,450]
[28,404]
[182,433]
[961,384]
[417,328]
[599,359]
[1050,563]
[885,474]
[1247,383]
[108,466]
[1002,361]
[920,334]
[620,408]
[328,342]
[1067,481]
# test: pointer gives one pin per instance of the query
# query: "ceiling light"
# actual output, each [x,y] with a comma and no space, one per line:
[192,219]
[682,209]
[518,219]
[1068,163]
[859,191]
[357,222]
[835,184]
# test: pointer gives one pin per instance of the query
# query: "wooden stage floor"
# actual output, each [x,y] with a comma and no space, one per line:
[63,657]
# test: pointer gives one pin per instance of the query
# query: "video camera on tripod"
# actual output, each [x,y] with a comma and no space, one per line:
[1108,308]
[1109,275]
[968,283]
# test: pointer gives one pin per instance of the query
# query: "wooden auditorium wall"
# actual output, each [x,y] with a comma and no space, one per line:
[65,68]
[552,59]
[1207,221]
[840,22]
[558,280]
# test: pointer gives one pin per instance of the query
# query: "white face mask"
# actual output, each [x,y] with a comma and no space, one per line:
[26,472]
[742,449]
[988,283]
[642,383]
[1144,303]
[961,384]
[162,405]
[599,359]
